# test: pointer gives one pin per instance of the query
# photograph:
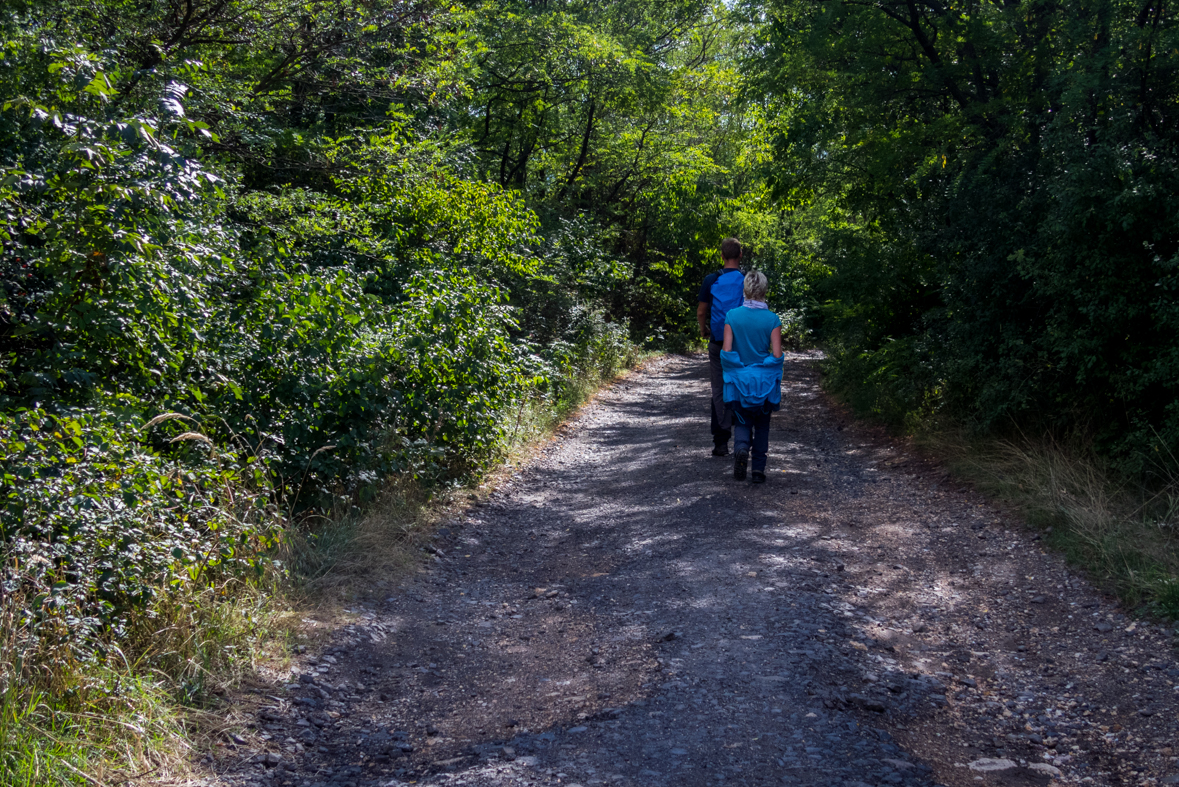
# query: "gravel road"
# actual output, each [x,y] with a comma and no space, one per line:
[622,612]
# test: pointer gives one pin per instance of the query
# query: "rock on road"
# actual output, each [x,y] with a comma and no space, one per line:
[622,612]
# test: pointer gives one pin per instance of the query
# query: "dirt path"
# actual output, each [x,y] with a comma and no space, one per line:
[624,613]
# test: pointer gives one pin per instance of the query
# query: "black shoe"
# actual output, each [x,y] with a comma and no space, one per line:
[720,449]
[739,463]
[759,478]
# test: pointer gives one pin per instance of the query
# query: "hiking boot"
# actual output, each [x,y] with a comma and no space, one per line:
[759,478]
[720,449]
[740,461]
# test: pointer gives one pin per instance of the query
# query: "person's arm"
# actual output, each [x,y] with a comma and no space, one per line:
[728,339]
[775,340]
[703,313]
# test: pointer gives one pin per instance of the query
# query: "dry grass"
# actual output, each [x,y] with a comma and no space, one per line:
[1125,535]
[67,718]
[124,713]
[334,556]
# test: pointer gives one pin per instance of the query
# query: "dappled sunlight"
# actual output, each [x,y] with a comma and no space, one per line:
[622,613]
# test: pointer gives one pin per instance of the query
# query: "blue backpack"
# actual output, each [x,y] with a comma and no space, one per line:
[728,292]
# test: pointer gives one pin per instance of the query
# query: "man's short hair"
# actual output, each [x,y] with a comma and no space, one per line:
[756,286]
[730,249]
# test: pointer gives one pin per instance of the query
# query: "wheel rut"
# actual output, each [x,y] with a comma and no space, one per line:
[622,612]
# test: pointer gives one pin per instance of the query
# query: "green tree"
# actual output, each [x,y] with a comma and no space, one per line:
[995,183]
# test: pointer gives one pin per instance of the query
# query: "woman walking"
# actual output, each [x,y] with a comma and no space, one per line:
[752,362]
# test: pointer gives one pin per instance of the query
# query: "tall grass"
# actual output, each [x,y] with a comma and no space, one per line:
[66,721]
[1125,534]
[121,710]
[331,556]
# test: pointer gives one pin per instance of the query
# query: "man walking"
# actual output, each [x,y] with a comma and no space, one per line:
[721,291]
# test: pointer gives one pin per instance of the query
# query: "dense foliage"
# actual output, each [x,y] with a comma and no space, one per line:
[348,240]
[259,256]
[342,240]
[994,186]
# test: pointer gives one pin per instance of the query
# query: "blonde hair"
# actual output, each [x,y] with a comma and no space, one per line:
[756,286]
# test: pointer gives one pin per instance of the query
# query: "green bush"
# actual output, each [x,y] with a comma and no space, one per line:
[995,193]
[97,523]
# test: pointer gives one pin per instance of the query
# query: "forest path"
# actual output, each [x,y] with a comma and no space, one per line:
[622,612]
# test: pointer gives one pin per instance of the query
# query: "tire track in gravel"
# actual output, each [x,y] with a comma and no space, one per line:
[622,612]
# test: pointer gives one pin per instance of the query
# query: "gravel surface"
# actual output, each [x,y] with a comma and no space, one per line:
[622,612]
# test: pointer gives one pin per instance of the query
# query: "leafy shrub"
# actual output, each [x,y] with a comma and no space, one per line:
[890,383]
[795,333]
[1002,227]
[96,524]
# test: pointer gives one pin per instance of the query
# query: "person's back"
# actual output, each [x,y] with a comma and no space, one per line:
[752,329]
[753,378]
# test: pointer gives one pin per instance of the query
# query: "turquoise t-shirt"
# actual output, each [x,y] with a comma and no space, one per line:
[751,332]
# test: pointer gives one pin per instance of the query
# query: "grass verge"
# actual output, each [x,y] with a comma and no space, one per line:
[1124,535]
[124,712]
[365,552]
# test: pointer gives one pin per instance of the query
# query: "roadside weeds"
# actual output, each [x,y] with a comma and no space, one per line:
[1124,536]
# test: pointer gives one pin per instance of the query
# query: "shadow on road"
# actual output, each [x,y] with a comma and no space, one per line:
[625,613]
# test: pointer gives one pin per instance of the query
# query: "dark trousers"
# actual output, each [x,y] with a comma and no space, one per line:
[751,428]
[722,419]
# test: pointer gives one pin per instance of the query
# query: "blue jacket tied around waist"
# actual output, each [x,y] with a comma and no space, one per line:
[754,385]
